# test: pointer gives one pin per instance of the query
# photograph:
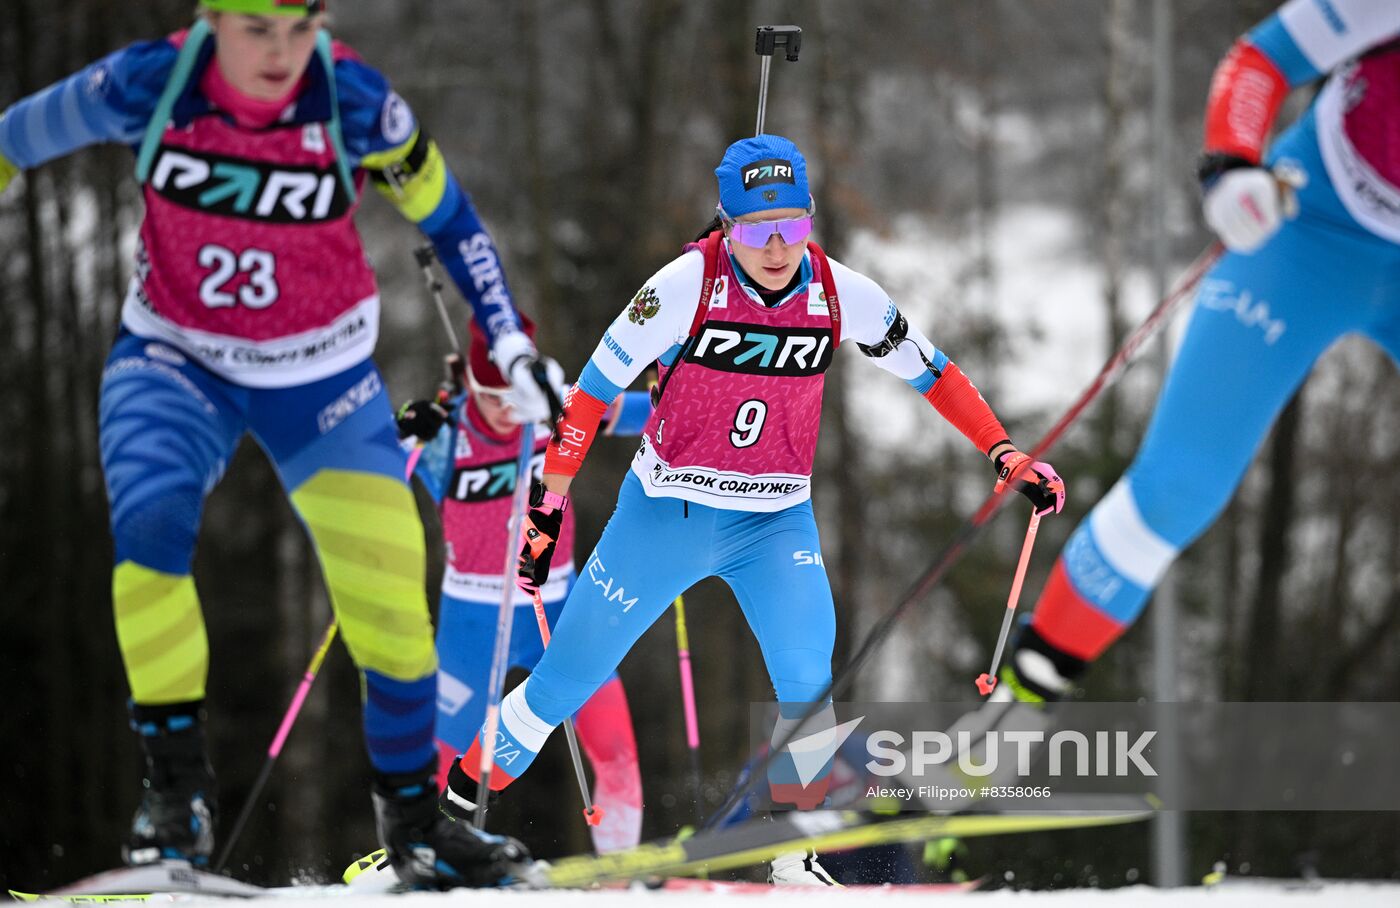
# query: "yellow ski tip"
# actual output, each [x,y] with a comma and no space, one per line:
[365,863]
[24,896]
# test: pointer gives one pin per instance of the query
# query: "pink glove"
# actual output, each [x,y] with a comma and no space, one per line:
[1036,480]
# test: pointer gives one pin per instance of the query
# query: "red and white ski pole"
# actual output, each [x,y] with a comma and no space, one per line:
[592,813]
[988,682]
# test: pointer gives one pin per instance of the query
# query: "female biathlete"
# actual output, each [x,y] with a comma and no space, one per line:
[471,442]
[253,309]
[745,323]
[1313,233]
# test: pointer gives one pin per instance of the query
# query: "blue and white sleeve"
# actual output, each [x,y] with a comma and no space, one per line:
[108,101]
[874,322]
[653,326]
[405,165]
[1307,39]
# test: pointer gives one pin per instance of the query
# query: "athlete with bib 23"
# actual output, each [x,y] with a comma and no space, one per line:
[744,325]
[253,309]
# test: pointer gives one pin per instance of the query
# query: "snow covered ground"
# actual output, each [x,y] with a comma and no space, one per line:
[1230,895]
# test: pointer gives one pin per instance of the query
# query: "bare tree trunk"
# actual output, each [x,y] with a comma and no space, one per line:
[1265,627]
[540,192]
[1117,103]
[838,114]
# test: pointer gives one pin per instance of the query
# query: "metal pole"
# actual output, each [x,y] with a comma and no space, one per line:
[1169,850]
[762,93]
[767,40]
[424,256]
[592,814]
[500,653]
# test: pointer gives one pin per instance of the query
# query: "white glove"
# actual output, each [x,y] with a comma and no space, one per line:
[515,355]
[1246,206]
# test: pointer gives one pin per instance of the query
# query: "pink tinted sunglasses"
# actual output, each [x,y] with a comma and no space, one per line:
[755,235]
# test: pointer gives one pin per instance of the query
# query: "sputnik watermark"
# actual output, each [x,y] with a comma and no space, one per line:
[944,793]
[1181,756]
[1111,754]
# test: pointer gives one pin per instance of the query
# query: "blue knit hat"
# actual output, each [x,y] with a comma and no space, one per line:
[762,173]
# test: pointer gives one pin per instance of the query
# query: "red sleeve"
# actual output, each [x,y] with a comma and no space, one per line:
[957,400]
[574,433]
[1245,95]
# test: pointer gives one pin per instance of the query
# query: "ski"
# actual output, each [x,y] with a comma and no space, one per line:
[824,831]
[148,882]
[93,899]
[721,849]
[739,887]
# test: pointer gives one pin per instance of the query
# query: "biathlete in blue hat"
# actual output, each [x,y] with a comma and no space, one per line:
[744,325]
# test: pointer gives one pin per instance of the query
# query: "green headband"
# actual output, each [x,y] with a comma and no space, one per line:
[267,7]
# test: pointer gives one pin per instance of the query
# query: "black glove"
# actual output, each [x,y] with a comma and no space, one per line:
[541,532]
[422,419]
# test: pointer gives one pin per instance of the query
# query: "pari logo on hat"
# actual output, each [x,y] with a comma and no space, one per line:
[773,170]
[762,173]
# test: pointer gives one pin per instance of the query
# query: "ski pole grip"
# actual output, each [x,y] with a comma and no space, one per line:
[424,255]
[456,372]
[541,376]
[772,37]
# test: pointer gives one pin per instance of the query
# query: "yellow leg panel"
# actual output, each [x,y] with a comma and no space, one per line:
[160,630]
[370,541]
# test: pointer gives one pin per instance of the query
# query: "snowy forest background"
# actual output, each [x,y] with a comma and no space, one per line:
[987,160]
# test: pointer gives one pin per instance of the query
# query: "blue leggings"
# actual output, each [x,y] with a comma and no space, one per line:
[652,550]
[1260,323]
[464,640]
[168,427]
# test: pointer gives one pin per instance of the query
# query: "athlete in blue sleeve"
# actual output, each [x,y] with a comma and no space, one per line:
[1313,233]
[252,308]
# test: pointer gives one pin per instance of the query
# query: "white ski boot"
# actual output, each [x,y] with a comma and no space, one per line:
[798,868]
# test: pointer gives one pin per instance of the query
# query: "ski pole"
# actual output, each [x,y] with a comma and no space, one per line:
[692,722]
[965,534]
[592,814]
[766,42]
[424,255]
[275,749]
[456,366]
[988,682]
[285,729]
[503,622]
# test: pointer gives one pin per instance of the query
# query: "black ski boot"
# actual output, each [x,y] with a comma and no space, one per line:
[180,804]
[428,848]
